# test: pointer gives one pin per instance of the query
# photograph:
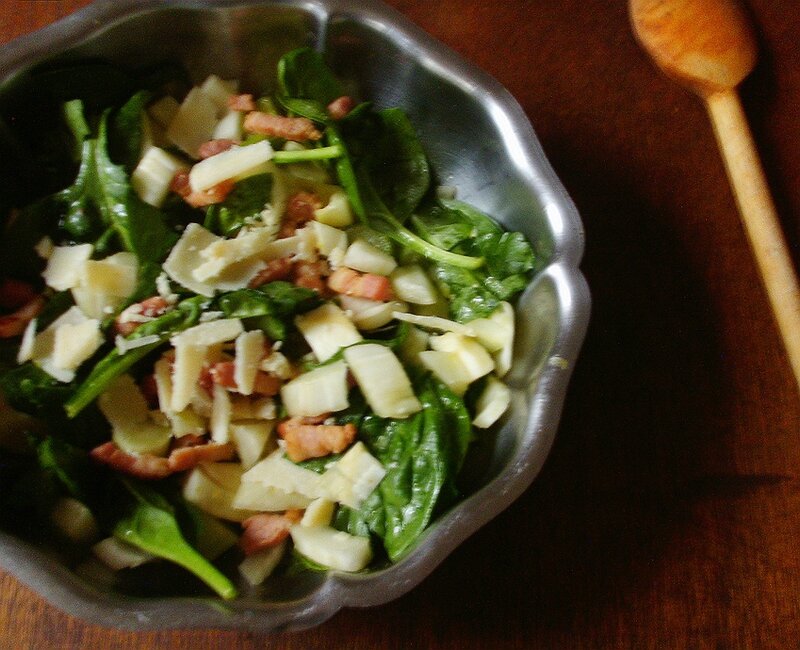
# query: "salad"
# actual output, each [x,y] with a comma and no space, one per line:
[255,332]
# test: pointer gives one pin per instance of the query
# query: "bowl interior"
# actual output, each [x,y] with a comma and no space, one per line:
[477,139]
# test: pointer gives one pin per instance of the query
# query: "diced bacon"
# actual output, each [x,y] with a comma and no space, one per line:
[15,293]
[15,324]
[280,269]
[188,440]
[213,147]
[362,285]
[264,530]
[216,194]
[241,103]
[150,308]
[206,380]
[305,441]
[297,129]
[267,385]
[312,275]
[144,466]
[299,211]
[340,107]
[149,390]
[184,458]
[222,373]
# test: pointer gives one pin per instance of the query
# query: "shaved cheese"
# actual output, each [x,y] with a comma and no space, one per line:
[354,476]
[220,415]
[115,275]
[476,360]
[44,343]
[265,409]
[212,333]
[229,127]
[327,329]
[318,391]
[185,374]
[123,403]
[64,266]
[277,364]
[382,379]
[370,314]
[329,238]
[332,548]
[194,122]
[26,345]
[226,252]
[251,440]
[204,488]
[164,110]
[218,91]
[162,374]
[277,472]
[228,164]
[337,212]
[492,403]
[153,175]
[318,513]
[434,323]
[249,350]
[412,284]
[363,256]
[74,344]
[448,368]
[185,257]
[255,496]
[257,567]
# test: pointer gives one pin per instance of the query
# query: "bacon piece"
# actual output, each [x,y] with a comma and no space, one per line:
[362,285]
[216,194]
[305,441]
[265,384]
[213,147]
[188,440]
[280,269]
[144,466]
[264,530]
[340,107]
[312,275]
[184,458]
[150,307]
[299,211]
[15,293]
[241,103]
[298,129]
[15,324]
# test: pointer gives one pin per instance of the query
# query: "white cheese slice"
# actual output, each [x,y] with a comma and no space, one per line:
[327,329]
[412,284]
[321,390]
[318,513]
[249,351]
[332,548]
[114,275]
[153,175]
[448,368]
[476,360]
[74,344]
[277,472]
[186,371]
[257,567]
[123,404]
[26,345]
[194,122]
[223,253]
[202,489]
[251,440]
[229,127]
[370,314]
[329,238]
[363,256]
[218,91]
[64,266]
[434,323]
[220,415]
[211,333]
[185,257]
[354,476]
[44,345]
[258,497]
[337,212]
[492,403]
[228,164]
[382,379]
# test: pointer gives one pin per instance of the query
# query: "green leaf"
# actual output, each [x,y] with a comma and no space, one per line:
[29,389]
[303,73]
[243,204]
[149,523]
[125,137]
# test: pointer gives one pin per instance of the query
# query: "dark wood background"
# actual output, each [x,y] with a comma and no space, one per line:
[668,514]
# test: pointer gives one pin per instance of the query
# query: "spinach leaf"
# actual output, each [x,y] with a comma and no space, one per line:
[475,293]
[242,205]
[149,523]
[423,455]
[185,314]
[29,389]
[71,466]
[125,131]
[396,162]
[76,121]
[303,73]
[270,307]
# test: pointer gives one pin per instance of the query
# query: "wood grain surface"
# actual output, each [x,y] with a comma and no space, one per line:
[668,515]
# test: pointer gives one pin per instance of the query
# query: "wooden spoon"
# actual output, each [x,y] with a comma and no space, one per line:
[709,47]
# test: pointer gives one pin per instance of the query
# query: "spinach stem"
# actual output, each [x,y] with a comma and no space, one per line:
[322,153]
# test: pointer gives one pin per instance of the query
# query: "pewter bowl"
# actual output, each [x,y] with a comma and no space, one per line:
[478,140]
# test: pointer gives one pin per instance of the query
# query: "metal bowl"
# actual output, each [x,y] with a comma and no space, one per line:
[478,140]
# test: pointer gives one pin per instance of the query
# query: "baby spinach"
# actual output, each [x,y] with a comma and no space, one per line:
[303,73]
[149,523]
[29,389]
[270,307]
[242,205]
[423,455]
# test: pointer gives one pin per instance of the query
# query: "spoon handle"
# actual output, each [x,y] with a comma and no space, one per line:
[759,217]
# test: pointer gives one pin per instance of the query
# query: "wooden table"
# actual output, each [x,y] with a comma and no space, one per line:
[668,514]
